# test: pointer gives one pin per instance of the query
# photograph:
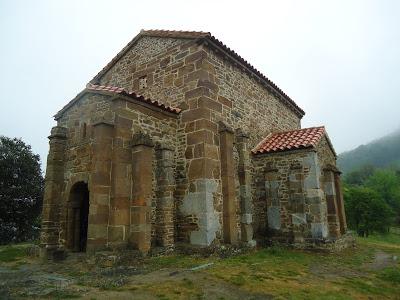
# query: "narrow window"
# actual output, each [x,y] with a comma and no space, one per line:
[83,130]
[143,82]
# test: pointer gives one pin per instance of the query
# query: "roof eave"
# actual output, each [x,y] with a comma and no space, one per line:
[285,151]
[252,71]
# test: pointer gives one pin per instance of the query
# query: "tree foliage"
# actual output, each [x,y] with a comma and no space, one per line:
[366,211]
[372,199]
[21,191]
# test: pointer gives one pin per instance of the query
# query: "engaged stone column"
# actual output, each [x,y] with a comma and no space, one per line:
[297,203]
[165,196]
[228,184]
[142,161]
[273,201]
[332,209]
[100,185]
[315,198]
[340,204]
[119,223]
[246,205]
[54,182]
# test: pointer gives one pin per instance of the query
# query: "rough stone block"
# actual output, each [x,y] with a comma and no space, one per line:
[274,217]
[96,231]
[299,219]
[319,230]
[196,114]
[246,218]
[201,136]
[201,204]
[116,234]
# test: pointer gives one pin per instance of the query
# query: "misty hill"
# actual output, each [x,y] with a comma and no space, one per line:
[382,152]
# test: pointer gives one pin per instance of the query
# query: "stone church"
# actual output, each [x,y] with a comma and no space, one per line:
[180,141]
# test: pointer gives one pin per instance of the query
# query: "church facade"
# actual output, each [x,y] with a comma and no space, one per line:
[179,140]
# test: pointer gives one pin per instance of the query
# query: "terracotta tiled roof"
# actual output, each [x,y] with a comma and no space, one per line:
[291,140]
[120,91]
[212,42]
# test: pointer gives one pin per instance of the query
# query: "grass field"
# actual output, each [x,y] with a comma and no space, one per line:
[369,271]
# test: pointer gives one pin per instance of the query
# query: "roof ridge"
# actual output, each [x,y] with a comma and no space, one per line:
[163,32]
[300,129]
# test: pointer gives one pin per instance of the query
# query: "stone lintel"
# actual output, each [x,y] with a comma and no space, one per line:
[103,122]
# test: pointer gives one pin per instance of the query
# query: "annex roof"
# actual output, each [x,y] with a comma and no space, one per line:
[112,90]
[211,41]
[292,140]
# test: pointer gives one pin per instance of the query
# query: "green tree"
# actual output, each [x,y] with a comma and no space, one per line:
[366,211]
[21,191]
[386,182]
[360,176]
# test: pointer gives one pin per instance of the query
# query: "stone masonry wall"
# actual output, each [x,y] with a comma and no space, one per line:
[288,199]
[209,89]
[126,118]
[325,155]
[246,103]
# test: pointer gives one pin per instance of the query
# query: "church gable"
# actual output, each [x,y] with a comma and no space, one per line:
[159,58]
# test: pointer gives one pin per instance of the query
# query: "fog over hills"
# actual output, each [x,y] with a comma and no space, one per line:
[382,152]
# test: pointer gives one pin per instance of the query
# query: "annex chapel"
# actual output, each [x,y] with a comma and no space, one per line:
[180,141]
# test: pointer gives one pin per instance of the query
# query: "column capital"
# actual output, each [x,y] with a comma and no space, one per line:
[164,146]
[58,132]
[332,169]
[223,127]
[241,135]
[143,139]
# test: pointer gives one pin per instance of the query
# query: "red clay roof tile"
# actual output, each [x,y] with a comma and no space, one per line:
[117,90]
[290,140]
[133,95]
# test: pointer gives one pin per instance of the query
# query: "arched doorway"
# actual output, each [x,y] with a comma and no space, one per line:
[78,212]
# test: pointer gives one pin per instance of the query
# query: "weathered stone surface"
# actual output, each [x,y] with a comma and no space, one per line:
[274,217]
[319,230]
[202,181]
[201,204]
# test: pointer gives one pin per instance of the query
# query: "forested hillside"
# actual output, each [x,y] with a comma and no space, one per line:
[383,152]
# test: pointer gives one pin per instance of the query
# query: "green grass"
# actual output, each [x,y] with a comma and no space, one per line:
[60,294]
[11,253]
[277,271]
[180,261]
[391,238]
[391,275]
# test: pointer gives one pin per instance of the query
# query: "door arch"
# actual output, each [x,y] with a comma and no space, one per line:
[78,215]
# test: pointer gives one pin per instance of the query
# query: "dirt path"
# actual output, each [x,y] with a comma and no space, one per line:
[63,280]
[382,260]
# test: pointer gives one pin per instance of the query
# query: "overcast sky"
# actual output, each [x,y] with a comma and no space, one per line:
[339,60]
